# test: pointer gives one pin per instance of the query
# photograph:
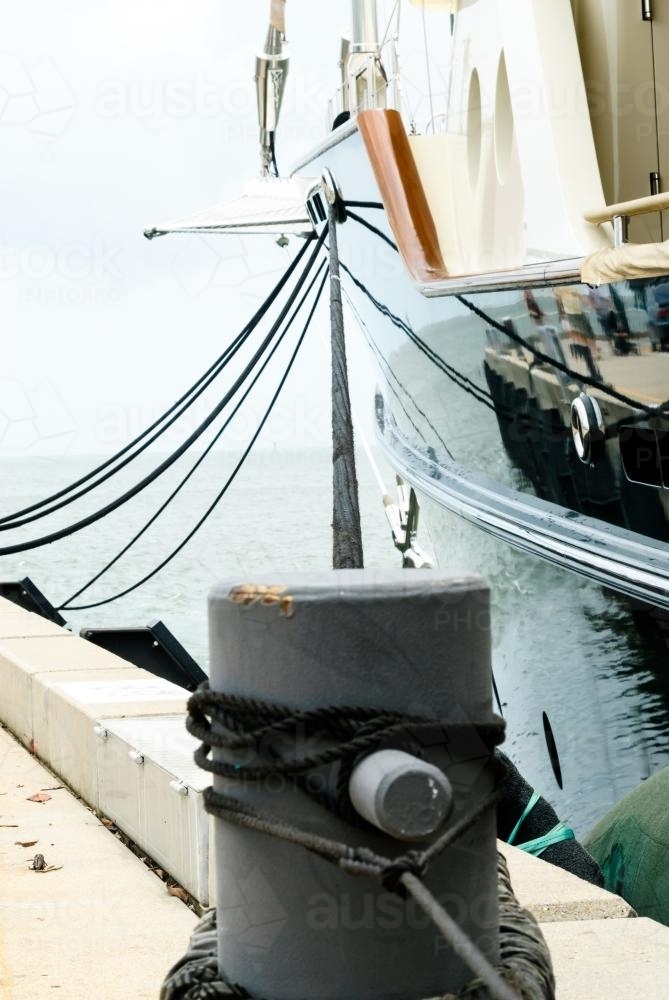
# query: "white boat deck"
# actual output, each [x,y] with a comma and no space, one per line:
[101,924]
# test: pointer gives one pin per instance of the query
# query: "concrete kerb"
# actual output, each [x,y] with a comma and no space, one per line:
[99,922]
[551,894]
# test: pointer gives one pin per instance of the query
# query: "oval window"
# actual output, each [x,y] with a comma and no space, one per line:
[504,125]
[474,121]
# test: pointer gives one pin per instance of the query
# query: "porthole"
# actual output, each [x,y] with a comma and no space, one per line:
[587,428]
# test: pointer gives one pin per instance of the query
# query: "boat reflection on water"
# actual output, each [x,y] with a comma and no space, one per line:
[592,660]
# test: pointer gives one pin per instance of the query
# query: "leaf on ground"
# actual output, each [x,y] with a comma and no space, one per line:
[25,843]
[39,797]
[176,890]
[53,788]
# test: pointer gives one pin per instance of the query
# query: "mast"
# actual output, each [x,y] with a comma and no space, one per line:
[366,77]
[365,32]
[270,78]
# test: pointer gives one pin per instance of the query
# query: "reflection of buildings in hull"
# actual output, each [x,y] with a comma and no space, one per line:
[625,483]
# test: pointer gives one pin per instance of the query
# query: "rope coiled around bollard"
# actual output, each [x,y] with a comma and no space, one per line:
[524,959]
[232,724]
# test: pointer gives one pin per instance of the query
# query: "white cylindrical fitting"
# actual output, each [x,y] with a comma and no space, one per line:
[402,795]
[365,27]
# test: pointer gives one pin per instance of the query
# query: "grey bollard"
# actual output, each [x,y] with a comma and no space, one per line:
[292,926]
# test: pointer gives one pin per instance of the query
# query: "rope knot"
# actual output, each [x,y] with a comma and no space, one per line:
[413,863]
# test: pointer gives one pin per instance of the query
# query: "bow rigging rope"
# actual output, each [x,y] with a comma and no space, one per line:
[511,334]
[347,551]
[546,359]
[462,381]
[386,367]
[373,229]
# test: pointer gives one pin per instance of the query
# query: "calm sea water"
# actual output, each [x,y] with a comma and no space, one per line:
[276,517]
[560,644]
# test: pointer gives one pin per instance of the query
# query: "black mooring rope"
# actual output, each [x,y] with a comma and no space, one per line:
[197,433]
[230,724]
[387,368]
[462,381]
[154,517]
[219,496]
[171,415]
[354,729]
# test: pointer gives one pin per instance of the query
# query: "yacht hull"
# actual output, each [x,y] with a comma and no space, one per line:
[474,408]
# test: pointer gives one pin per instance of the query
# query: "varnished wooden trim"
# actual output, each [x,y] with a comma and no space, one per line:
[402,193]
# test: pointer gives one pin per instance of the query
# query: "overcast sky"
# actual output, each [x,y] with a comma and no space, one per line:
[114,117]
[117,115]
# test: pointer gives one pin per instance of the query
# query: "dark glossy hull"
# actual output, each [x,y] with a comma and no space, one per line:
[473,411]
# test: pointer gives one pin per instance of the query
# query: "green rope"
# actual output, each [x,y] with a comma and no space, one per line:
[534,798]
[557,835]
[538,845]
